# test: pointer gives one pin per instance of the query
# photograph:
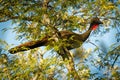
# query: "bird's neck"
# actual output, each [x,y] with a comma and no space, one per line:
[93,26]
[87,33]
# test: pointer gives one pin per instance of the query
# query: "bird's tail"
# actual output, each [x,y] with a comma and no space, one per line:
[28,45]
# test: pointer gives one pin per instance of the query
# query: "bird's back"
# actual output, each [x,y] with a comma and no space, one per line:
[71,40]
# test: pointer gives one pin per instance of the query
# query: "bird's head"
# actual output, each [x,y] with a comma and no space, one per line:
[95,23]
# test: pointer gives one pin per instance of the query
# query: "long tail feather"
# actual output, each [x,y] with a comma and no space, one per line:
[29,45]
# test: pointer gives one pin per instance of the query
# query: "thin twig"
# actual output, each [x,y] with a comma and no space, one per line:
[115,60]
[96,46]
[115,18]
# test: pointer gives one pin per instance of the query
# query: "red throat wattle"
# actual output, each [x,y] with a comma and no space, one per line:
[95,26]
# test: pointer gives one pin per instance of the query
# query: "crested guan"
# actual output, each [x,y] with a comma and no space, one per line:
[71,38]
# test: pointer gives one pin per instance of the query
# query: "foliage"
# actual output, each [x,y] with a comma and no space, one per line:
[37,18]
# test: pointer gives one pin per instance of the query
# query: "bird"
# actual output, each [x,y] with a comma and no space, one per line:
[72,39]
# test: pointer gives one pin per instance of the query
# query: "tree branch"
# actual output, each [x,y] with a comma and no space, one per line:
[16,17]
[115,18]
[115,60]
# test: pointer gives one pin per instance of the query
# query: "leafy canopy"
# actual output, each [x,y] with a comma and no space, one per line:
[36,18]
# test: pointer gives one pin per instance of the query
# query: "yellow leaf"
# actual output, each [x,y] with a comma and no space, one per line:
[5,69]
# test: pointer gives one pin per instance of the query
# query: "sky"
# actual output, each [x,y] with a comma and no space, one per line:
[4,25]
[9,35]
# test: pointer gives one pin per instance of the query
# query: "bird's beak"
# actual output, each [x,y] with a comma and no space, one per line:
[100,22]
